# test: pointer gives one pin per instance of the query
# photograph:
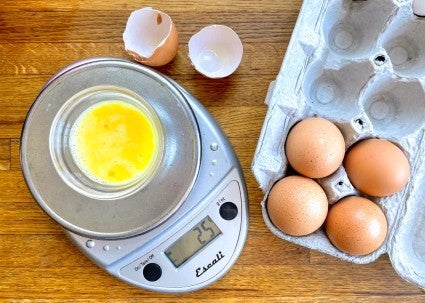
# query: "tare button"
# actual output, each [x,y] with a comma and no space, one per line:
[228,211]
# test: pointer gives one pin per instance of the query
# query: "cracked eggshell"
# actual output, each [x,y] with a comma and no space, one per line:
[215,51]
[150,37]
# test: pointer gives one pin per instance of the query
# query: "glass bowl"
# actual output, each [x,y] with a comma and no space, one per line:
[64,159]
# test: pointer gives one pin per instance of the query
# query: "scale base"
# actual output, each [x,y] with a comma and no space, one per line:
[219,193]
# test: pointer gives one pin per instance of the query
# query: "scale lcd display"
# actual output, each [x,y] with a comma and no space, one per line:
[192,241]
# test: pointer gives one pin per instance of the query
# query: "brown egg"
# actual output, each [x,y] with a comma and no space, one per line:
[356,225]
[377,167]
[315,147]
[297,205]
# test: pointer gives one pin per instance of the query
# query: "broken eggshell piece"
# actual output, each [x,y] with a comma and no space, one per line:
[215,51]
[150,37]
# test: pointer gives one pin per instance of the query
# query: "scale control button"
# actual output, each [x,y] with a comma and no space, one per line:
[228,211]
[152,272]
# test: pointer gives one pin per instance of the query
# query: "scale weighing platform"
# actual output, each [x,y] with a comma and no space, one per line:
[179,232]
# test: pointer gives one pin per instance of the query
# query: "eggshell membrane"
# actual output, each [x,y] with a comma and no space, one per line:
[315,147]
[151,37]
[377,167]
[297,205]
[356,225]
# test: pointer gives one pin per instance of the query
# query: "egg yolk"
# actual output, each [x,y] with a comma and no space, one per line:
[113,142]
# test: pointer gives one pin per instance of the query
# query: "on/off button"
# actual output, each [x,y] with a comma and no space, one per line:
[152,272]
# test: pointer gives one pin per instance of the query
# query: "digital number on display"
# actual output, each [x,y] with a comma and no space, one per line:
[192,241]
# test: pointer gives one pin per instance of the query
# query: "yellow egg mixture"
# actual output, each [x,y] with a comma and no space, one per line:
[113,142]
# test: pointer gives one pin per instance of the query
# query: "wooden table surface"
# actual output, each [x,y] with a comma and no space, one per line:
[39,264]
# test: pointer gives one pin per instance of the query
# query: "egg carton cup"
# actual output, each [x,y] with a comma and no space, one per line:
[361,65]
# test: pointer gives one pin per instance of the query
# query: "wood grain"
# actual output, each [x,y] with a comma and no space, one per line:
[37,261]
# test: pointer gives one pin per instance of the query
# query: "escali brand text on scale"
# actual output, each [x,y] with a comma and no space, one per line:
[201,270]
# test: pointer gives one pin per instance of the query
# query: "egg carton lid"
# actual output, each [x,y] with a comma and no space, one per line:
[319,49]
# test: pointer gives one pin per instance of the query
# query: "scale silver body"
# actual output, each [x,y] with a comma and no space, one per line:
[209,205]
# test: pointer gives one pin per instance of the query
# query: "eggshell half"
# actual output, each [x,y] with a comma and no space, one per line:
[151,37]
[215,51]
[297,205]
[356,225]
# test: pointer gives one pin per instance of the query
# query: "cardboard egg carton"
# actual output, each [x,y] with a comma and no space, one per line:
[361,65]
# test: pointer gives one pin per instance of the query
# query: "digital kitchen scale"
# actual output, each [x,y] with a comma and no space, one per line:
[179,232]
